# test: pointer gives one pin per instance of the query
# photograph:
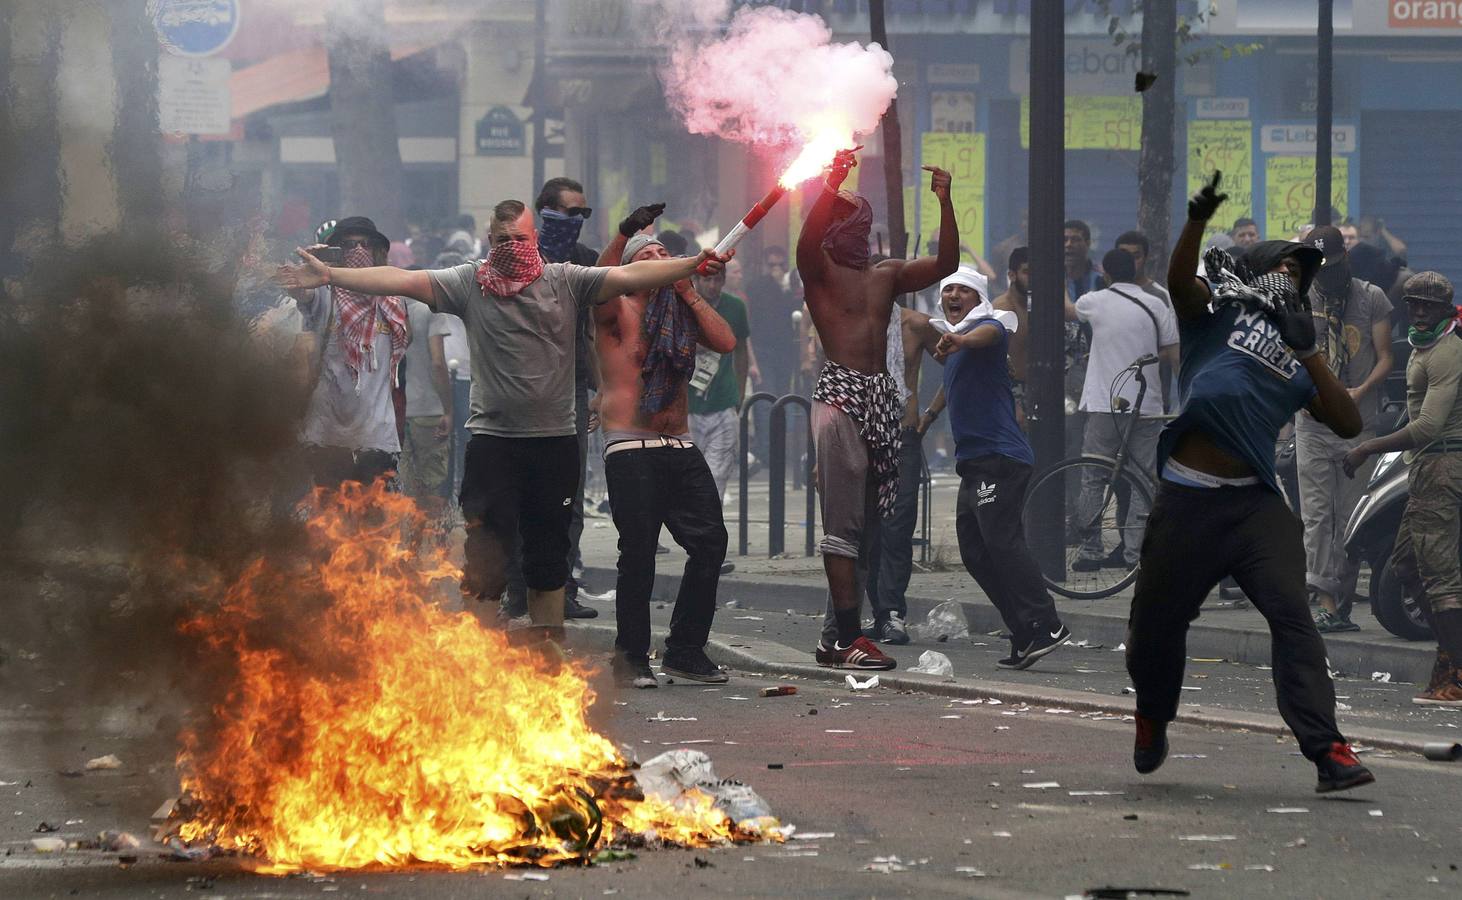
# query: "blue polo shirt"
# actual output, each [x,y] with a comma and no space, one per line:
[1239,384]
[977,393]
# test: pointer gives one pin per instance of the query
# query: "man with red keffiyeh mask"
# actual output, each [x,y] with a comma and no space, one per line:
[522,465]
[354,343]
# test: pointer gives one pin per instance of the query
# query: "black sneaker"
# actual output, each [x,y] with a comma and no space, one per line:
[727,568]
[634,673]
[1151,746]
[1044,642]
[572,609]
[1089,564]
[693,665]
[890,631]
[1327,622]
[1340,770]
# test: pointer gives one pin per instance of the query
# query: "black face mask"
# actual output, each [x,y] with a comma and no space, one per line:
[1334,278]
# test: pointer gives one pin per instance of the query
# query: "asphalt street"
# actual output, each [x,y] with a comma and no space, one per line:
[893,793]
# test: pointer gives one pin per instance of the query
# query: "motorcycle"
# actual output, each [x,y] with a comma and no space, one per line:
[1370,535]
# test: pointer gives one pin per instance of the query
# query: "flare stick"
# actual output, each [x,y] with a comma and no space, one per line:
[748,222]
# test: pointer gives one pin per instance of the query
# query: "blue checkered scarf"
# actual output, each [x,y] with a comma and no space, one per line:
[671,332]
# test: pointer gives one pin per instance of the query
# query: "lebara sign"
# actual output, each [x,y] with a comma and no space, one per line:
[195,27]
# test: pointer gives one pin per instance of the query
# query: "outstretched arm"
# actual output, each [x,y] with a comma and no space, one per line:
[919,273]
[384,281]
[648,274]
[1190,293]
[810,262]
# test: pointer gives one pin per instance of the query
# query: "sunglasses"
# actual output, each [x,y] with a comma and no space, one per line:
[581,211]
[352,243]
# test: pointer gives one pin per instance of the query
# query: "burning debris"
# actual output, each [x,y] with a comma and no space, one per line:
[358,724]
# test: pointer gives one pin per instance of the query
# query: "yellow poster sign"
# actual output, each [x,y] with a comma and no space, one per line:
[1289,189]
[1094,123]
[963,156]
[1225,146]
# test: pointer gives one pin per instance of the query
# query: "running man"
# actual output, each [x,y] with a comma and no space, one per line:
[1249,363]
[856,406]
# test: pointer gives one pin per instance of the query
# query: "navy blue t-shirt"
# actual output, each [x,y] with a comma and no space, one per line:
[1239,384]
[977,393]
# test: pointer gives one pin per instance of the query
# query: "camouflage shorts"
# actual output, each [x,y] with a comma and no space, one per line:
[1427,542]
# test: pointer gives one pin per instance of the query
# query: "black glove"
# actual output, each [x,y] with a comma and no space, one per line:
[641,219]
[1296,324]
[1202,205]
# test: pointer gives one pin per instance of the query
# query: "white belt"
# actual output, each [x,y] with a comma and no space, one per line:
[648,444]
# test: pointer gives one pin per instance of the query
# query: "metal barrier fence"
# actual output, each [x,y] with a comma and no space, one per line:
[776,474]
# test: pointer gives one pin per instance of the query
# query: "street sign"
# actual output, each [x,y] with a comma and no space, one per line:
[500,133]
[195,27]
[193,95]
[1300,138]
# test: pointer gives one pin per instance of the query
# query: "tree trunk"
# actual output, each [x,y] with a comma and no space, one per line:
[135,149]
[1155,165]
[30,133]
[893,148]
[362,113]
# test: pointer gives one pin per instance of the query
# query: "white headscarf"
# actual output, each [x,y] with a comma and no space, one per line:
[970,277]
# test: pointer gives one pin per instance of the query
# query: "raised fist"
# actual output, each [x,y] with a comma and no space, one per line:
[641,219]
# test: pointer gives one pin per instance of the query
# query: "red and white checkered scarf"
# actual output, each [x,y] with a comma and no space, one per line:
[510,267]
[358,314]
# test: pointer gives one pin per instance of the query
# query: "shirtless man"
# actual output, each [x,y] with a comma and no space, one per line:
[1016,299]
[856,407]
[657,477]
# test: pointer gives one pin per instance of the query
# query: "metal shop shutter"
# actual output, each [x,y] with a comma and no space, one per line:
[1411,176]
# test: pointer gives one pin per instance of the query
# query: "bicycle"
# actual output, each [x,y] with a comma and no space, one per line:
[1082,555]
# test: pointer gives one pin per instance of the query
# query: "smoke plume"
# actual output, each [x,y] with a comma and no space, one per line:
[776,78]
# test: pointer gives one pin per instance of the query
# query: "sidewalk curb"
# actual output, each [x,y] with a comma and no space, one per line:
[778,659]
[1406,661]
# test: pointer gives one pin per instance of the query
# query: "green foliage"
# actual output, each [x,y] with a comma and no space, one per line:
[1186,35]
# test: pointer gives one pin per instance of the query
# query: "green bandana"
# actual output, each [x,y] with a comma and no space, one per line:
[1419,338]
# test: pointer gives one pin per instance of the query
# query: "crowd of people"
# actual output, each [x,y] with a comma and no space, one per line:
[651,345]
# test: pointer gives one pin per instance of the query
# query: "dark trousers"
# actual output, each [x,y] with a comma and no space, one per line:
[670,487]
[516,584]
[1195,537]
[990,524]
[518,486]
[893,542]
[332,466]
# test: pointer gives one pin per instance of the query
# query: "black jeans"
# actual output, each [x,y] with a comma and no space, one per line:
[990,524]
[1196,536]
[332,466]
[892,560]
[516,584]
[672,487]
[518,486]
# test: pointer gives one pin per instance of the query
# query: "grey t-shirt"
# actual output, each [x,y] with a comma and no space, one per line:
[1345,338]
[421,392]
[346,410]
[523,347]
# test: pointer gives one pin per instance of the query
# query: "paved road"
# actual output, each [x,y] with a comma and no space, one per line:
[940,784]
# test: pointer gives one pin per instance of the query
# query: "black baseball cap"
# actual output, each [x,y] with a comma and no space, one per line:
[357,225]
[1328,240]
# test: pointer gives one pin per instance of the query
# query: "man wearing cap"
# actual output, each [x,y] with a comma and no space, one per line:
[1249,363]
[1127,323]
[522,464]
[994,461]
[353,343]
[856,408]
[1425,557]
[657,476]
[1353,327]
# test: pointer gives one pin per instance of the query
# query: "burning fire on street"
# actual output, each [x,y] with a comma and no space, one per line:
[377,729]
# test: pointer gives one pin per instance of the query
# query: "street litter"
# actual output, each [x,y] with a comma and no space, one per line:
[837,731]
[1095,793]
[103,762]
[1119,647]
[1287,809]
[1442,751]
[857,685]
[683,776]
[993,702]
[46,828]
[47,845]
[1258,868]
[781,690]
[1000,834]
[814,836]
[661,717]
[1210,867]
[946,622]
[1207,837]
[951,717]
[1190,756]
[1041,785]
[1376,813]
[1382,677]
[525,876]
[750,618]
[932,662]
[1129,690]
[968,872]
[1055,711]
[733,604]
[885,865]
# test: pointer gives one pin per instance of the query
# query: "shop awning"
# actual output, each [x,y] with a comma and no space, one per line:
[296,75]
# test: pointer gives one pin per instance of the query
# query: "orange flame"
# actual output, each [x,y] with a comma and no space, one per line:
[825,138]
[392,732]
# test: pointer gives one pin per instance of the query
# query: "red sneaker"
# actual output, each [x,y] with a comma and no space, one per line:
[861,654]
[1340,770]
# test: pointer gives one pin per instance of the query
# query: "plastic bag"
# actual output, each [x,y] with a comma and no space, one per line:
[674,775]
[932,662]
[946,622]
